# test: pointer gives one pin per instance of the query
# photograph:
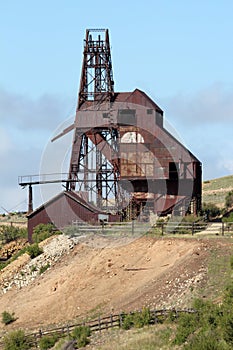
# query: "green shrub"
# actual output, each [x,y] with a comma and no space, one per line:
[7,317]
[187,324]
[227,327]
[210,210]
[137,319]
[228,218]
[208,314]
[11,233]
[33,268]
[43,231]
[81,335]
[47,342]
[34,250]
[205,341]
[142,319]
[16,340]
[44,268]
[127,322]
[228,295]
[231,261]
[229,200]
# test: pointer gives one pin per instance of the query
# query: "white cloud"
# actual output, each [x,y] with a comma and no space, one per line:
[23,112]
[210,105]
[5,143]
[26,126]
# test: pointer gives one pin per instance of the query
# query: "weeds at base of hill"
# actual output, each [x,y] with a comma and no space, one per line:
[44,268]
[44,231]
[47,342]
[136,319]
[34,250]
[219,274]
[156,337]
[211,327]
[8,317]
[81,335]
[16,340]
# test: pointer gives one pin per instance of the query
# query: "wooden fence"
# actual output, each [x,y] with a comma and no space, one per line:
[112,228]
[137,228]
[100,324]
[180,227]
[227,228]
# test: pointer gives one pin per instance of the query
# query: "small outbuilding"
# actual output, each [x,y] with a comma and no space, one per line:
[63,210]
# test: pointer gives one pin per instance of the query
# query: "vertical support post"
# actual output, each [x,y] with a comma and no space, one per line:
[162,228]
[120,320]
[132,226]
[99,324]
[111,319]
[30,199]
[192,228]
[85,162]
[222,228]
[155,317]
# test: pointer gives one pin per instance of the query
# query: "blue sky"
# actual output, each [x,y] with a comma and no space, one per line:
[179,52]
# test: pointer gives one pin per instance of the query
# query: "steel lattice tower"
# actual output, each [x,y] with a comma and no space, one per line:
[94,161]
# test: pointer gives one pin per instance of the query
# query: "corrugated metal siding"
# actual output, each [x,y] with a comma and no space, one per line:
[61,211]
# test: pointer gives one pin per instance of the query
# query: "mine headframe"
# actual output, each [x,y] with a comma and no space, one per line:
[94,169]
[96,82]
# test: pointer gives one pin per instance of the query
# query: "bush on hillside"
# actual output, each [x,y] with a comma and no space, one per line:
[34,250]
[211,327]
[228,218]
[47,342]
[210,210]
[11,233]
[229,200]
[81,334]
[205,341]
[187,324]
[16,340]
[43,231]
[137,319]
[7,317]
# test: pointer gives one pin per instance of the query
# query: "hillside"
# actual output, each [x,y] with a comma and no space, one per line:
[215,190]
[97,275]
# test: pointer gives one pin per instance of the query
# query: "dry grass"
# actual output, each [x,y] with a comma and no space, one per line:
[158,337]
[215,191]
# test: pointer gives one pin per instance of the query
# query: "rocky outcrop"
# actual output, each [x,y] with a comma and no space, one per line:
[22,272]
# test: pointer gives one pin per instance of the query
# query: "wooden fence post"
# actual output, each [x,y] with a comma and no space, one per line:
[222,228]
[162,227]
[132,226]
[192,228]
[35,339]
[120,320]
[155,317]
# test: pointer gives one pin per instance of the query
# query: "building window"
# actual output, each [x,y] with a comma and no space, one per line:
[132,137]
[126,116]
[173,171]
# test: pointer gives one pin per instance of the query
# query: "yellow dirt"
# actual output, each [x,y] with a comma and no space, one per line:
[108,277]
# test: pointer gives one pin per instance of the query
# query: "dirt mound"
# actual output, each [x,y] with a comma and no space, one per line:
[100,275]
